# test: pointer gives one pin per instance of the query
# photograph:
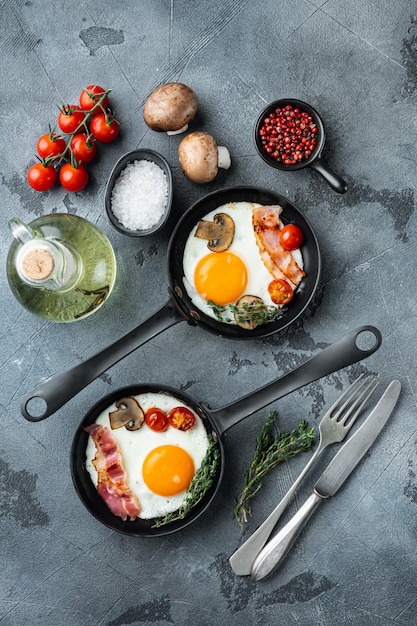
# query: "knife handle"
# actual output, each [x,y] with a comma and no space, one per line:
[277,549]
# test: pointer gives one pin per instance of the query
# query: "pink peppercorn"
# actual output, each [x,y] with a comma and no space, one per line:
[288,135]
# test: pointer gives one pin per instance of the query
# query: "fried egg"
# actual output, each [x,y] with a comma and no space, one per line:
[224,277]
[159,465]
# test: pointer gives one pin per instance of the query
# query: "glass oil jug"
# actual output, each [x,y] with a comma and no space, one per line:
[60,267]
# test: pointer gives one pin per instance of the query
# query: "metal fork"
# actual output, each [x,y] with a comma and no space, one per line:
[333,428]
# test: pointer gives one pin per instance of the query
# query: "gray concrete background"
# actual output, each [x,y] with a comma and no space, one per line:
[355,61]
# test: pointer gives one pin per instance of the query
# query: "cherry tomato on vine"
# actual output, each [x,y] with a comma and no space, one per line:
[181,418]
[50,145]
[73,178]
[280,291]
[104,127]
[90,96]
[70,117]
[41,176]
[290,237]
[156,419]
[83,147]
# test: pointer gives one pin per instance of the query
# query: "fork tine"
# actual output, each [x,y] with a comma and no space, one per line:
[366,389]
[357,383]
[348,395]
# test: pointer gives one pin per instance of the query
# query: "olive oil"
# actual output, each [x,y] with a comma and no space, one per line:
[61,267]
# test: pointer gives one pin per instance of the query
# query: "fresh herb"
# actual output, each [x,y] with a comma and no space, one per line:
[270,452]
[256,312]
[200,484]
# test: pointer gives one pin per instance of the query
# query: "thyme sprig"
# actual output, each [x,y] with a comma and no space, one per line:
[256,312]
[200,484]
[270,452]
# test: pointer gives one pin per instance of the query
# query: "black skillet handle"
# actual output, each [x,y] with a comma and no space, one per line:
[337,355]
[335,181]
[55,392]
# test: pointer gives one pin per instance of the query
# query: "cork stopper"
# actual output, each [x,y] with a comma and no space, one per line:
[37,264]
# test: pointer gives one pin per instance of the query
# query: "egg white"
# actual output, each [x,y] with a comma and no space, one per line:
[243,245]
[135,445]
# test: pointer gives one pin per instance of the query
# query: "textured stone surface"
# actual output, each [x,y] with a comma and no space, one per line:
[356,563]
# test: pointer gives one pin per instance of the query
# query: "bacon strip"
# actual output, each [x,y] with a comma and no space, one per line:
[279,262]
[112,479]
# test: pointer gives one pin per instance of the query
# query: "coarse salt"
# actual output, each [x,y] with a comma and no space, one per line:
[140,195]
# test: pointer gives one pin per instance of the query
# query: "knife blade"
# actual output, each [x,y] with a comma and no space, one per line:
[333,477]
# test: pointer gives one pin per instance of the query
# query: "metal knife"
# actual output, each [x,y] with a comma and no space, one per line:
[329,482]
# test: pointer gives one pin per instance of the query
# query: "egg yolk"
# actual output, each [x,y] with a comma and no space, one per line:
[221,277]
[168,470]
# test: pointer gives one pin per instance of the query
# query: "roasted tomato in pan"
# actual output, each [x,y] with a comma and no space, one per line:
[280,291]
[156,419]
[290,237]
[181,418]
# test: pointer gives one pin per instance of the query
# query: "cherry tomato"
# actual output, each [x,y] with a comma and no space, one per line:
[69,118]
[156,419]
[290,237]
[104,127]
[73,178]
[181,418]
[280,291]
[42,177]
[90,96]
[50,145]
[83,147]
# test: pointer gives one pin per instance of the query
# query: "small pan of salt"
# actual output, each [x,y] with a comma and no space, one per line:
[139,193]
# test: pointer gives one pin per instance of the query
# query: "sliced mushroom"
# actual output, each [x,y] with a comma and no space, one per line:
[200,157]
[129,413]
[219,232]
[246,316]
[170,107]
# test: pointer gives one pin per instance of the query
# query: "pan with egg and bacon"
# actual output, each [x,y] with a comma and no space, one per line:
[231,272]
[243,266]
[148,460]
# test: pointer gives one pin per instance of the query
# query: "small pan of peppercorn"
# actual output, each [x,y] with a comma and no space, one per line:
[289,135]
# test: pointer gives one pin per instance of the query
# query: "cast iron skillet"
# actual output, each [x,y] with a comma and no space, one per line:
[340,354]
[314,161]
[58,390]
